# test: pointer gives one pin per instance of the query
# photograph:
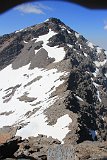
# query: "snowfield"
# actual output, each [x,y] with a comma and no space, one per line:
[24,95]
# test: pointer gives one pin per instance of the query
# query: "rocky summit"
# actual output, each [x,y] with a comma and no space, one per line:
[53,95]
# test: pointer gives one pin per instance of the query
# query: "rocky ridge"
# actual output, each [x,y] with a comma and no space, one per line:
[77,95]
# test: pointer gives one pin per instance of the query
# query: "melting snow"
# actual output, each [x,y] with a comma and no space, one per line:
[53,52]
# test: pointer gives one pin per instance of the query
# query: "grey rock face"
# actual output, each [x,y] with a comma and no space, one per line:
[61,153]
[62,37]
[8,54]
[41,59]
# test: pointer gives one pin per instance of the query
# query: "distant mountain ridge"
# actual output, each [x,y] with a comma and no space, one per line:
[53,83]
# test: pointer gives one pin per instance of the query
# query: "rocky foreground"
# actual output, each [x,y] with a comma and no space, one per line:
[47,148]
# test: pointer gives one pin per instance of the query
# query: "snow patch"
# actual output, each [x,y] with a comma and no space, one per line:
[95,84]
[79,98]
[98,95]
[85,55]
[88,73]
[102,118]
[25,42]
[96,72]
[53,52]
[46,20]
[69,45]
[69,31]
[62,27]
[99,63]
[90,44]
[99,49]
[77,35]
[78,53]
[19,30]
[80,46]
[74,49]
[38,125]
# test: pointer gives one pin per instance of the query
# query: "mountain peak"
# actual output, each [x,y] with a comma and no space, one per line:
[55,20]
[53,83]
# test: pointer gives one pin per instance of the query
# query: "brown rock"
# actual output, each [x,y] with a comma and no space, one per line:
[7,133]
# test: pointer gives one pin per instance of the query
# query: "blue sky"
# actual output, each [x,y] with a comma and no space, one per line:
[92,24]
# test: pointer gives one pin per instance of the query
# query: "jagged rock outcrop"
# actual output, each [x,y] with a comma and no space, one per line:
[31,148]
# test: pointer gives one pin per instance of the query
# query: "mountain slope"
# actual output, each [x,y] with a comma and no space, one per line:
[53,82]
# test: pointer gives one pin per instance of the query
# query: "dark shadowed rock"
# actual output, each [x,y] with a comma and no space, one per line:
[8,148]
